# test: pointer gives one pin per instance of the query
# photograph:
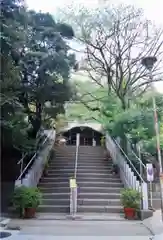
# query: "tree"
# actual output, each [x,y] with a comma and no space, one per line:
[35,70]
[137,123]
[116,40]
[45,65]
[35,65]
[12,24]
[88,98]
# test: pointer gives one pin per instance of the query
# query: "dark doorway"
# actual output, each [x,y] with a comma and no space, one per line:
[88,136]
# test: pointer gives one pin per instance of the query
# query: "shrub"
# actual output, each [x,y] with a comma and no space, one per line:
[130,198]
[25,197]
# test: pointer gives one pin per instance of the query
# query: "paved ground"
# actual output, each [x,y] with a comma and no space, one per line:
[39,237]
[50,229]
[83,217]
[44,229]
[155,223]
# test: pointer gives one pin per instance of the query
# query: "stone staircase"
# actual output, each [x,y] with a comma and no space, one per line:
[55,186]
[98,189]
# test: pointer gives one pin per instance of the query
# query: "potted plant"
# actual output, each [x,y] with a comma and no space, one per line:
[27,200]
[32,200]
[130,199]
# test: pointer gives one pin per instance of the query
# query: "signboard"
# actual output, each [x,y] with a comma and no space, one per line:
[73,183]
[161,178]
[150,172]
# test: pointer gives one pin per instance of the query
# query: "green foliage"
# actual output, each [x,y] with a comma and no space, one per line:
[25,197]
[150,145]
[35,67]
[130,198]
[136,122]
[89,97]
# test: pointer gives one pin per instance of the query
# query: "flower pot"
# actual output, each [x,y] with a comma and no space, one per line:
[29,212]
[130,213]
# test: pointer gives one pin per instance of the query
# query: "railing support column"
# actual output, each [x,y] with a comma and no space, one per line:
[145,195]
[73,197]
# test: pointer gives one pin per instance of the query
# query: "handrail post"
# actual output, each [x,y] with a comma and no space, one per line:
[21,167]
[19,179]
[73,184]
[127,169]
[77,151]
[73,197]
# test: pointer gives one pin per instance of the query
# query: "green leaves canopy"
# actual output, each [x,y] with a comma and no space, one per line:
[35,69]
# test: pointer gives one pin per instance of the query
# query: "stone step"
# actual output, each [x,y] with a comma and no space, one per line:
[81,184]
[82,155]
[86,160]
[87,179]
[53,202]
[54,185]
[60,171]
[81,195]
[54,179]
[54,208]
[55,174]
[80,171]
[100,209]
[98,179]
[80,165]
[98,202]
[83,202]
[84,190]
[92,156]
[95,189]
[80,168]
[62,195]
[69,174]
[98,195]
[82,208]
[60,189]
[103,175]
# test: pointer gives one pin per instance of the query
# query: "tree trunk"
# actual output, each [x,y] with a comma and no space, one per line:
[124,143]
[36,121]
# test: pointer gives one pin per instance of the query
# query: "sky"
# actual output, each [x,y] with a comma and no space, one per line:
[152,9]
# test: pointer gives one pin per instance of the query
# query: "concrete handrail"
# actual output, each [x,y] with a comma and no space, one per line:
[131,164]
[76,155]
[32,159]
[126,168]
[34,174]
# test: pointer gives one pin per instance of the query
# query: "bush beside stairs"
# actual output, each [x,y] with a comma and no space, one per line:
[98,189]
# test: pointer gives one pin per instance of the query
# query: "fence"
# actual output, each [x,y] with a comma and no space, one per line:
[127,170]
[33,175]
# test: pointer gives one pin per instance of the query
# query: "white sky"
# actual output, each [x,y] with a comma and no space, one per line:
[153,9]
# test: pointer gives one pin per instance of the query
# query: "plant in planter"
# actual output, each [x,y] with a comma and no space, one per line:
[31,201]
[131,201]
[27,199]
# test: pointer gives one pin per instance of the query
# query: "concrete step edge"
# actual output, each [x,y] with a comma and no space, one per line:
[82,182]
[81,199]
[51,179]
